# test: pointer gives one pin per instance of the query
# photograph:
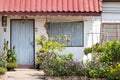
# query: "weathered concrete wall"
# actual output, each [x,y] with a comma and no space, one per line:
[91,25]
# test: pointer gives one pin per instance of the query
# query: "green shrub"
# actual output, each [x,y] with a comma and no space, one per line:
[87,50]
[2,70]
[11,55]
[111,52]
[11,66]
[95,47]
[3,62]
[97,70]
[100,49]
[47,46]
[11,59]
[62,65]
[3,55]
[41,40]
[53,65]
[113,72]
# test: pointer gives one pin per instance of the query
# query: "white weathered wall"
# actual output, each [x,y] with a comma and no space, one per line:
[91,25]
[111,12]
[4,35]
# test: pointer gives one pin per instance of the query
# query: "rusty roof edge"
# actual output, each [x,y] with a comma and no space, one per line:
[51,13]
[100,5]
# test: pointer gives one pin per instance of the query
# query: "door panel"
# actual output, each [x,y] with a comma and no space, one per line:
[22,38]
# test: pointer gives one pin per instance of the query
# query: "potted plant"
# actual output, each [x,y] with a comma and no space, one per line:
[87,50]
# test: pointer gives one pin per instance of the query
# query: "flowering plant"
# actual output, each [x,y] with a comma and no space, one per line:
[62,65]
[96,69]
[114,72]
[111,52]
[48,45]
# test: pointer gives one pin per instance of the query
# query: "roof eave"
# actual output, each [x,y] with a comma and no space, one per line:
[52,13]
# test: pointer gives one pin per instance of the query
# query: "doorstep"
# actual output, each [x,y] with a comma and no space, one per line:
[26,66]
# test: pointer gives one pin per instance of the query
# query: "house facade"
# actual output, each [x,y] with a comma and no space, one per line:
[110,25]
[24,20]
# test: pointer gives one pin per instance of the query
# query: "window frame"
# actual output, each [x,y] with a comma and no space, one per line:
[108,23]
[82,22]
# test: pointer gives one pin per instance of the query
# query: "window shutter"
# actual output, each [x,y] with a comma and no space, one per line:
[107,30]
[55,29]
[66,30]
[77,34]
[73,30]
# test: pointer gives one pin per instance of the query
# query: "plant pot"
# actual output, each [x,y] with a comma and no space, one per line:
[11,66]
[38,66]
[10,69]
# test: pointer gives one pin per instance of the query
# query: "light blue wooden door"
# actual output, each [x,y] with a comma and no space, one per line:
[22,38]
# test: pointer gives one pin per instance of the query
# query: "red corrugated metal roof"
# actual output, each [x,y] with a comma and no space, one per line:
[50,5]
[94,6]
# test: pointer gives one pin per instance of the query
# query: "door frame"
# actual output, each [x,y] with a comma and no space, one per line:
[26,66]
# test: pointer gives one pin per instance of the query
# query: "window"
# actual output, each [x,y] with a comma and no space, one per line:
[110,31]
[74,30]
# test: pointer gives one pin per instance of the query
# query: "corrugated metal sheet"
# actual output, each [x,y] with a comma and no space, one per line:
[50,5]
[22,38]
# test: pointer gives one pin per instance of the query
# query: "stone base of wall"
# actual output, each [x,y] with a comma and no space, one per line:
[72,78]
